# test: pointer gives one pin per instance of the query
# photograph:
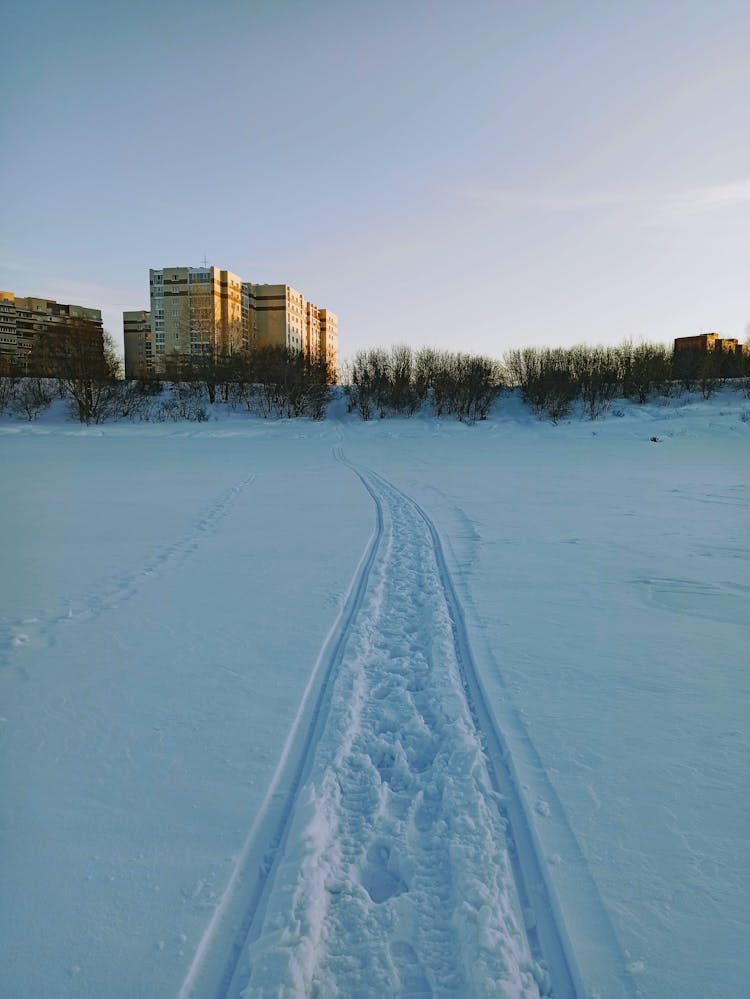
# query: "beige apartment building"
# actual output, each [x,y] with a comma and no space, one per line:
[195,312]
[199,311]
[329,341]
[312,342]
[278,314]
[283,317]
[33,332]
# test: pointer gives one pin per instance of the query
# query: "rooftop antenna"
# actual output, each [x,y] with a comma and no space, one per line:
[205,261]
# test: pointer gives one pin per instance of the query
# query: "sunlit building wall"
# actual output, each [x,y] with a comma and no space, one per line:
[329,341]
[196,312]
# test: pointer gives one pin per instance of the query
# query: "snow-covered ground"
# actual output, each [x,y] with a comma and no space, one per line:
[406,707]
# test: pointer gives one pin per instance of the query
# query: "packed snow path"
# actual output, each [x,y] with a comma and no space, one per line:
[402,864]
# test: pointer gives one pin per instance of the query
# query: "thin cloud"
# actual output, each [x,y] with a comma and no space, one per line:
[488,197]
[707,199]
[690,201]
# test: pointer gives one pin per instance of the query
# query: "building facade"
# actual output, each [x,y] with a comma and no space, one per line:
[278,315]
[283,317]
[329,341]
[197,312]
[138,342]
[37,334]
[708,342]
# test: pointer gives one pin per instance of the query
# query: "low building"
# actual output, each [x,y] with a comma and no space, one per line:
[36,334]
[708,342]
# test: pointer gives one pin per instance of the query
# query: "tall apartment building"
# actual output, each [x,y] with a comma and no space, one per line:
[198,311]
[195,312]
[329,341]
[35,332]
[312,342]
[283,317]
[279,315]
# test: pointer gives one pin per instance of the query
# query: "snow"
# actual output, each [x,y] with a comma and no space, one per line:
[406,707]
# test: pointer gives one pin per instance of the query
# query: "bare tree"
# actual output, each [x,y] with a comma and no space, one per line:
[32,395]
[84,361]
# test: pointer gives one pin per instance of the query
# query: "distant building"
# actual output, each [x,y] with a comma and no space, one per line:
[195,312]
[139,344]
[283,317]
[312,330]
[36,333]
[329,341]
[279,315]
[710,342]
[201,311]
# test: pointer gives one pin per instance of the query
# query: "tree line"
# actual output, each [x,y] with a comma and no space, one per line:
[402,381]
[279,382]
[76,363]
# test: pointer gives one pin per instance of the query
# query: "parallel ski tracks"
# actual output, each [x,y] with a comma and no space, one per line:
[218,967]
[545,929]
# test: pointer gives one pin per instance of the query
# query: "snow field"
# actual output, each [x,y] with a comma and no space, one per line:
[604,578]
[135,745]
[167,594]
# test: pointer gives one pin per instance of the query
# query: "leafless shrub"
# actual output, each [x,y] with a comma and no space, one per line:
[32,396]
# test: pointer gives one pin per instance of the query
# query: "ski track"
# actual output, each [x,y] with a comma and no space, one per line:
[116,590]
[399,861]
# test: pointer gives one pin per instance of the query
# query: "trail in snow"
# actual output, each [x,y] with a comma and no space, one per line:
[393,868]
[110,593]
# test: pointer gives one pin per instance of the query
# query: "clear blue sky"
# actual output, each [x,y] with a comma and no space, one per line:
[459,173]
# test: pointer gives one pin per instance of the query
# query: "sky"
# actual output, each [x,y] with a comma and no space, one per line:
[461,174]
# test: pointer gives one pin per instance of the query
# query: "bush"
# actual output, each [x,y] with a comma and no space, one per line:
[545,377]
[401,382]
[31,396]
[646,370]
[277,381]
[8,387]
[596,373]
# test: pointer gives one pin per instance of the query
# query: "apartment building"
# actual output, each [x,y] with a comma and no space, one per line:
[8,336]
[36,333]
[312,330]
[283,317]
[279,315]
[196,312]
[708,342]
[201,311]
[138,341]
[329,341]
